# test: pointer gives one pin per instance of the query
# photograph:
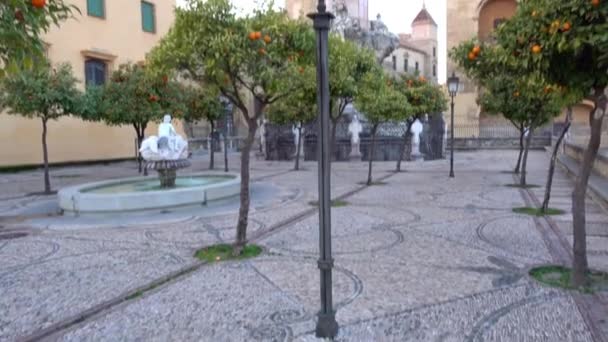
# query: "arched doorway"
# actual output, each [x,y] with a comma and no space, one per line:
[492,13]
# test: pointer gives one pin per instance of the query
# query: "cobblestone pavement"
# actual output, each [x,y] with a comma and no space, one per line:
[420,258]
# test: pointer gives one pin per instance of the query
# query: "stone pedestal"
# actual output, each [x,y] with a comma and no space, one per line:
[355,152]
[167,170]
[167,178]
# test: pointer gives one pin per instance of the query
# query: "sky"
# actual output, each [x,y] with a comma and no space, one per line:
[397,15]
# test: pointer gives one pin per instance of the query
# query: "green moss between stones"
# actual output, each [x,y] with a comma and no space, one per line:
[223,252]
[334,203]
[538,211]
[519,186]
[559,276]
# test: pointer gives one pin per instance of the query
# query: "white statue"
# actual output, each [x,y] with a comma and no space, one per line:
[167,146]
[416,129]
[295,129]
[355,128]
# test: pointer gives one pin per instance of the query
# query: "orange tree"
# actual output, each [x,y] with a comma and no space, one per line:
[348,65]
[203,103]
[246,57]
[566,41]
[380,102]
[423,97]
[45,93]
[21,24]
[527,99]
[299,108]
[133,96]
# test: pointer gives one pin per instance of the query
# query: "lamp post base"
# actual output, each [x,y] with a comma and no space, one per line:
[327,326]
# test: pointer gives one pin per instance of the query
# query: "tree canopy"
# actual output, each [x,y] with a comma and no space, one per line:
[135,97]
[45,92]
[21,25]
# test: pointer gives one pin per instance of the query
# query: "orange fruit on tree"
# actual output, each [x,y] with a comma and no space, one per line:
[536,49]
[262,51]
[595,3]
[267,39]
[258,35]
[566,27]
[252,36]
[476,50]
[472,56]
[39,3]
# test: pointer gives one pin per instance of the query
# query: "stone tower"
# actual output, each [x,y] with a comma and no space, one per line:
[424,37]
[358,9]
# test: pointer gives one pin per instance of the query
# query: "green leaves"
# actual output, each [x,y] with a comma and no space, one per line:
[379,99]
[46,93]
[202,104]
[21,27]
[260,54]
[301,105]
[423,97]
[135,96]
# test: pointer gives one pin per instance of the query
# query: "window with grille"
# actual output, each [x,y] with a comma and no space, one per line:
[95,71]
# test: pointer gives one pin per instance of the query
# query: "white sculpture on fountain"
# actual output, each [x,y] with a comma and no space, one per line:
[165,153]
[168,145]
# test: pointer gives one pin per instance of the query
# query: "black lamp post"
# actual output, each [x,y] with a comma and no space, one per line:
[453,84]
[327,327]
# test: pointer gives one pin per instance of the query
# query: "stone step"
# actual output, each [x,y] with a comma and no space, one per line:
[598,184]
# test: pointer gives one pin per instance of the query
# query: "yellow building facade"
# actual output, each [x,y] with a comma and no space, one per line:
[104,35]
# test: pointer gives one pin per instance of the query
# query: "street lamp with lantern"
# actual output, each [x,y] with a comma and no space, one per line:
[327,326]
[453,84]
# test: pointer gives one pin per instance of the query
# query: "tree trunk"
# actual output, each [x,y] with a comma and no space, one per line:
[403,143]
[140,130]
[580,265]
[241,228]
[371,154]
[298,147]
[545,206]
[522,134]
[212,148]
[45,158]
[524,166]
[225,153]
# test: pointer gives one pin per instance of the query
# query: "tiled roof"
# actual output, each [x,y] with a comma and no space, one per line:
[424,16]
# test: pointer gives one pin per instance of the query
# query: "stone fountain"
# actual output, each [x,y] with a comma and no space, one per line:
[165,153]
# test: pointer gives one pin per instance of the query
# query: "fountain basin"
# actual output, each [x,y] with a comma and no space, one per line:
[140,194]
